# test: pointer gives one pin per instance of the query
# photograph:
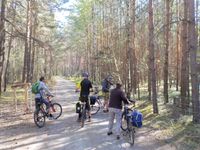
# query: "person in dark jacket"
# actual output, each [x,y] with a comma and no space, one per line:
[106,84]
[86,85]
[117,96]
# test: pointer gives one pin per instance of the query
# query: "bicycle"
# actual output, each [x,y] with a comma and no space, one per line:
[40,113]
[97,105]
[82,110]
[127,122]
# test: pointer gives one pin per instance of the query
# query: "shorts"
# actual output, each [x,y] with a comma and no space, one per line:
[85,99]
[106,96]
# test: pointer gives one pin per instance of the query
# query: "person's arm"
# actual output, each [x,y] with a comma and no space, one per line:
[124,99]
[90,87]
[110,82]
[44,87]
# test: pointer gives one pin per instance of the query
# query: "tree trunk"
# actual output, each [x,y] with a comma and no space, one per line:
[193,63]
[133,52]
[2,40]
[166,64]
[29,40]
[184,63]
[177,47]
[152,58]
[8,58]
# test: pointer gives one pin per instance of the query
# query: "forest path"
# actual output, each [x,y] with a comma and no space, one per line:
[65,133]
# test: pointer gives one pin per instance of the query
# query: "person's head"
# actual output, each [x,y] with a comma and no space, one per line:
[42,79]
[109,78]
[85,75]
[118,85]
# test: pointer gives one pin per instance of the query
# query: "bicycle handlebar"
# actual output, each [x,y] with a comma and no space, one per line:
[50,95]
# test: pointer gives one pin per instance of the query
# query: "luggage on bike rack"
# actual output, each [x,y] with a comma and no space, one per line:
[137,119]
[78,107]
[93,100]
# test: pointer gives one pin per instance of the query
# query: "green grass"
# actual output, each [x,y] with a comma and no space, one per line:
[8,96]
[173,127]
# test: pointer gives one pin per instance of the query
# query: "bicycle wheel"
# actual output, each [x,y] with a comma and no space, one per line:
[56,110]
[95,108]
[39,118]
[83,117]
[124,125]
[132,136]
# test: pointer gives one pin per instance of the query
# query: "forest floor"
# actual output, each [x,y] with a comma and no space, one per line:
[18,131]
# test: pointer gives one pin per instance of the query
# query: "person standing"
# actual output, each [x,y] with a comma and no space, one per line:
[117,96]
[86,85]
[106,84]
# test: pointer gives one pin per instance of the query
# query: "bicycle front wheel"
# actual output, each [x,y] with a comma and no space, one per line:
[95,108]
[125,121]
[56,110]
[39,118]
[132,136]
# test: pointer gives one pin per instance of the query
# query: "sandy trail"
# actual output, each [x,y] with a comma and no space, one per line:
[66,134]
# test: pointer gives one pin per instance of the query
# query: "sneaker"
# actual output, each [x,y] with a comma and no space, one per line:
[89,119]
[50,117]
[118,137]
[109,133]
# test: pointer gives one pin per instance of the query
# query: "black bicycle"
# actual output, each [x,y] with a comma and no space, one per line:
[127,123]
[40,113]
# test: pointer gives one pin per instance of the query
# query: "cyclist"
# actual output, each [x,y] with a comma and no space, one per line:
[40,97]
[106,84]
[117,96]
[86,85]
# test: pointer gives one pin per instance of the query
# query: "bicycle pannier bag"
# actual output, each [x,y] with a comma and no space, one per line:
[137,119]
[78,107]
[35,87]
[93,100]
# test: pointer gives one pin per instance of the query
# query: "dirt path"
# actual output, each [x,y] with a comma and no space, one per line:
[66,134]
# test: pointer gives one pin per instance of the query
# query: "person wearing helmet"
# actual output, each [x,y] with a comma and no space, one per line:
[86,85]
[106,84]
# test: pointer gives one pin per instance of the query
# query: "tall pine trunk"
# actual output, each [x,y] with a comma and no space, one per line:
[184,62]
[152,58]
[193,63]
[2,40]
[166,63]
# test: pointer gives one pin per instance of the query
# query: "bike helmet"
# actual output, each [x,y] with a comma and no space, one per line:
[109,78]
[85,74]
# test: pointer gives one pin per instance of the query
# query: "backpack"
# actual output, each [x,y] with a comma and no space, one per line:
[137,118]
[34,88]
